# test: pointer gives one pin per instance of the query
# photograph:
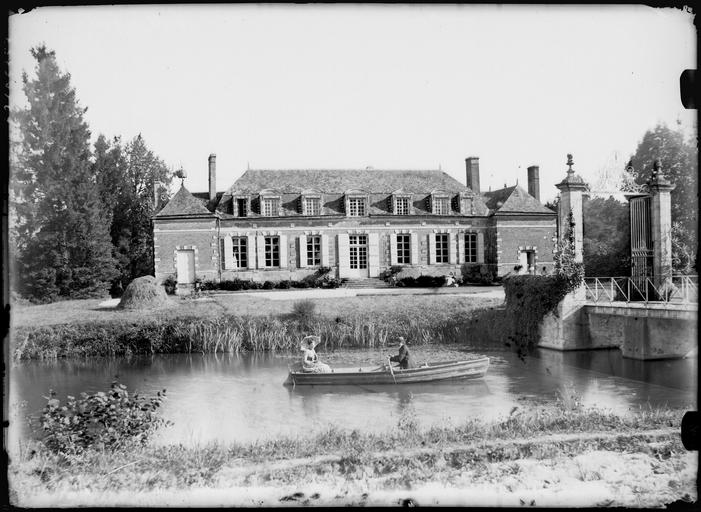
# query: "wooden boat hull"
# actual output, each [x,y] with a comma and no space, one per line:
[434,372]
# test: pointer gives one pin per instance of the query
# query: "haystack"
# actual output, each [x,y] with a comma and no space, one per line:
[143,293]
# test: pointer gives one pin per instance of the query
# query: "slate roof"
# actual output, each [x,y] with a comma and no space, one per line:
[513,200]
[340,180]
[184,204]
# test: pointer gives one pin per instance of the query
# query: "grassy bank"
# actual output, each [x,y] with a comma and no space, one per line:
[533,454]
[369,321]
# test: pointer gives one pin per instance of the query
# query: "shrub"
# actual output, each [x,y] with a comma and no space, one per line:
[476,273]
[111,420]
[268,285]
[169,283]
[303,309]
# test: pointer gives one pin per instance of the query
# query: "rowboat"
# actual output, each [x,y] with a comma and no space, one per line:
[429,372]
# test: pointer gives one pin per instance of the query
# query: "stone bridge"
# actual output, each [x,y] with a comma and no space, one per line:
[649,329]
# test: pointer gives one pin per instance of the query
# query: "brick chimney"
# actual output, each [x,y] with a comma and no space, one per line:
[212,177]
[472,168]
[534,181]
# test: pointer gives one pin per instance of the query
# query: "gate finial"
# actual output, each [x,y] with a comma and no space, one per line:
[570,163]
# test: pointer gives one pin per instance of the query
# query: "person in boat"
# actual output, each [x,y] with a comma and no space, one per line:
[310,360]
[404,358]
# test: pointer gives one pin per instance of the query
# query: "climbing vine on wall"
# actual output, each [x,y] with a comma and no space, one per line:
[530,298]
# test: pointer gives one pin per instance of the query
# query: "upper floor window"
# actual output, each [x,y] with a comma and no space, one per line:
[470,247]
[441,206]
[312,206]
[272,251]
[442,247]
[270,207]
[356,206]
[401,206]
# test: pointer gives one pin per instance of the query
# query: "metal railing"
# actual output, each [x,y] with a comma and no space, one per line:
[681,289]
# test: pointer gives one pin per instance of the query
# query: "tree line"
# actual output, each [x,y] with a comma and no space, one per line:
[80,213]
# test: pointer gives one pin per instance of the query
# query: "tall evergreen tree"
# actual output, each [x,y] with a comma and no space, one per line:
[679,159]
[63,245]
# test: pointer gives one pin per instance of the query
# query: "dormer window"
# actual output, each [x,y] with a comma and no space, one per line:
[356,203]
[356,206]
[440,203]
[401,203]
[311,203]
[241,207]
[269,203]
[464,204]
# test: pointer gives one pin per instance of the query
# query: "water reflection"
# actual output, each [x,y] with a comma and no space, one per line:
[232,397]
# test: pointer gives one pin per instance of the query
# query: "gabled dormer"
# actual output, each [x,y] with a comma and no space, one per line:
[269,203]
[400,202]
[311,201]
[356,203]
[439,202]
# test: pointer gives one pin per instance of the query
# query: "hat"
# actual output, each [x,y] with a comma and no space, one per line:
[401,339]
[309,342]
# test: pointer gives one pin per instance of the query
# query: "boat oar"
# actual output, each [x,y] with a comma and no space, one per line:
[389,363]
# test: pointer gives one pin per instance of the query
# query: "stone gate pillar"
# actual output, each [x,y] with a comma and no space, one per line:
[572,190]
[661,220]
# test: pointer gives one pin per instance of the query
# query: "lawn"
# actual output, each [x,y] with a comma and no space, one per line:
[253,304]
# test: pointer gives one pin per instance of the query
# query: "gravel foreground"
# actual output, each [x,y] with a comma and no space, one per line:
[634,469]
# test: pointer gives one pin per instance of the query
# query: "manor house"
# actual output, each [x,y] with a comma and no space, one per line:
[273,225]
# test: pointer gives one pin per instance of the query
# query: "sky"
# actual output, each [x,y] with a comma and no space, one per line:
[391,87]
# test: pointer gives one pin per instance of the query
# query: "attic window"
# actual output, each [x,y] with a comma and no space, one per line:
[311,205]
[241,207]
[356,206]
[270,207]
[401,204]
[441,206]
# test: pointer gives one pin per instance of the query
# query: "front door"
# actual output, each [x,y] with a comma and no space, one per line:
[185,267]
[526,260]
[358,256]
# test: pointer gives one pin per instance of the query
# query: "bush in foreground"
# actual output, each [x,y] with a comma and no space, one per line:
[111,420]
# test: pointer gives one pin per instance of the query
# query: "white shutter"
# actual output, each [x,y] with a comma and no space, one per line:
[302,251]
[392,249]
[251,251]
[480,247]
[283,251]
[325,250]
[228,253]
[431,248]
[414,249]
[462,257]
[343,255]
[452,246]
[260,253]
[374,254]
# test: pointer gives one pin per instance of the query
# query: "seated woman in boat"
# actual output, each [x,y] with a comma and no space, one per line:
[404,358]
[310,361]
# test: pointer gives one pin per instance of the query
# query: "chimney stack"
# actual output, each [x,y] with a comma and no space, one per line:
[212,177]
[534,181]
[472,167]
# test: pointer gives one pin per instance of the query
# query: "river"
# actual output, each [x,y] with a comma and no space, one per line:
[240,398]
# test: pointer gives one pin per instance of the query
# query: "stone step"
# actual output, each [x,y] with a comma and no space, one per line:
[365,283]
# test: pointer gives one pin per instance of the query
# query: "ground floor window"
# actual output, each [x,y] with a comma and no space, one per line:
[470,247]
[403,249]
[272,251]
[239,245]
[358,245]
[313,251]
[441,247]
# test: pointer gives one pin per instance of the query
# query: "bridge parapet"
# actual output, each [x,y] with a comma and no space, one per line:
[680,289]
